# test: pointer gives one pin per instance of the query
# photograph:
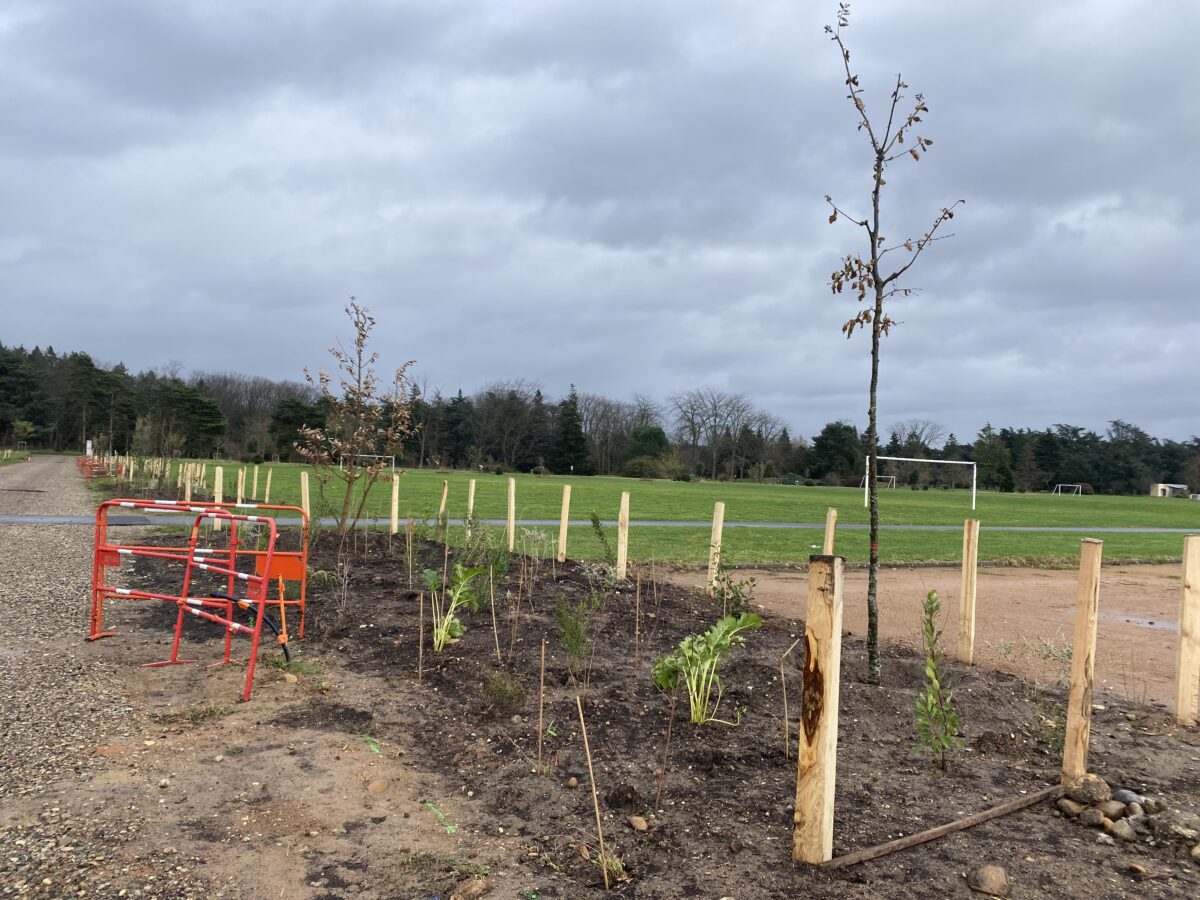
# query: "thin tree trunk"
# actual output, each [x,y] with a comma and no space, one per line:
[874,667]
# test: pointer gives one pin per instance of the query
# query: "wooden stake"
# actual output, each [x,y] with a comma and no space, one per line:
[254,484]
[1083,662]
[662,769]
[512,514]
[714,545]
[395,520]
[541,704]
[304,495]
[1187,669]
[187,490]
[1050,793]
[241,486]
[421,637]
[442,524]
[587,750]
[830,531]
[787,724]
[267,489]
[470,504]
[637,621]
[218,492]
[623,537]
[816,756]
[495,627]
[966,596]
[562,523]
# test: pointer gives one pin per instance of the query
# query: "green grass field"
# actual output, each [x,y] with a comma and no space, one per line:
[541,497]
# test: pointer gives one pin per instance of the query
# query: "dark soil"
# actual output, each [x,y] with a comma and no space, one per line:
[723,826]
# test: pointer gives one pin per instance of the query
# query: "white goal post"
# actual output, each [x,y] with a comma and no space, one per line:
[938,462]
[888,482]
[1068,489]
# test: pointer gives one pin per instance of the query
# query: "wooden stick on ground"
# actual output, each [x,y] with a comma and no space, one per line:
[587,750]
[787,725]
[421,637]
[541,703]
[921,837]
[495,629]
[637,621]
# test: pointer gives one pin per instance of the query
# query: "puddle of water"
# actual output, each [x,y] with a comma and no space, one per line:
[1140,621]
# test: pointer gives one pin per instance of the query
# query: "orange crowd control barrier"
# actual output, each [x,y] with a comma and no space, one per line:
[94,467]
[218,562]
[288,565]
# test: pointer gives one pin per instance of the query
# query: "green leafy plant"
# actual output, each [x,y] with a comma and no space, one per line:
[606,548]
[502,693]
[696,661]
[445,603]
[734,595]
[937,722]
[572,621]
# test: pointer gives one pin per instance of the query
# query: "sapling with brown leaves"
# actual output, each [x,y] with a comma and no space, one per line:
[696,661]
[864,275]
[937,722]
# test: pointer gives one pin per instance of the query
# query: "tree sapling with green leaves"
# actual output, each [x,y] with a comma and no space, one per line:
[444,603]
[937,722]
[697,659]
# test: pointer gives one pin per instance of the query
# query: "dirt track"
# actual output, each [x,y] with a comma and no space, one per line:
[1024,618]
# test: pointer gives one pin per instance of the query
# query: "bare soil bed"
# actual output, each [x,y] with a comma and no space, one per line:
[353,779]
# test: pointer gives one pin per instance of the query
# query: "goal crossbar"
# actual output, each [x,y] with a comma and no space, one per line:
[939,462]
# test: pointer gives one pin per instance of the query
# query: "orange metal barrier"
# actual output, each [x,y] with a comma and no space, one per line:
[219,562]
[290,565]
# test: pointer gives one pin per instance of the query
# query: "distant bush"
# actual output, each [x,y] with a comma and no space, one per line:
[789,478]
[644,467]
[683,476]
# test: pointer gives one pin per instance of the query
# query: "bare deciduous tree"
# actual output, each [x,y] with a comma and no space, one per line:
[863,275]
[360,423]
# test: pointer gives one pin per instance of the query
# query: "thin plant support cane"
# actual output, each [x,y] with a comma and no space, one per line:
[587,750]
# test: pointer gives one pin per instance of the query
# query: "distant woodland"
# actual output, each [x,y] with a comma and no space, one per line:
[58,401]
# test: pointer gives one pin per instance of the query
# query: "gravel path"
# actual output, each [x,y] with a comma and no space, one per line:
[59,706]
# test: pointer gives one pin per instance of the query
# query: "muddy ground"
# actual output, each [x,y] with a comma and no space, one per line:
[349,777]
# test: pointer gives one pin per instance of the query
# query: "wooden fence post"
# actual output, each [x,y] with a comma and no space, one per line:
[1187,670]
[267,489]
[442,524]
[512,514]
[623,537]
[966,594]
[218,492]
[241,486]
[714,545]
[563,517]
[470,505]
[1083,662]
[304,495]
[254,484]
[395,523]
[816,762]
[830,531]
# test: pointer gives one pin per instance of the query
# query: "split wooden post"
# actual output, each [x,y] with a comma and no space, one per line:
[1187,669]
[254,484]
[816,755]
[470,505]
[304,495]
[563,517]
[442,524]
[830,531]
[966,595]
[511,528]
[218,492]
[187,490]
[714,545]
[267,489]
[241,486]
[395,522]
[623,537]
[1083,662]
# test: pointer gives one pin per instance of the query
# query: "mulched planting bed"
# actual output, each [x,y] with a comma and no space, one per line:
[723,825]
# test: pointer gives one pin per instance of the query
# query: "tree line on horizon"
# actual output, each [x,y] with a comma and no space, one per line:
[59,401]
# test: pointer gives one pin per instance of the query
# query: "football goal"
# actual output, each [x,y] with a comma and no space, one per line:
[367,460]
[887,482]
[1067,489]
[906,459]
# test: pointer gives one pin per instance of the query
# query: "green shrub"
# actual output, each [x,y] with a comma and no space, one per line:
[696,660]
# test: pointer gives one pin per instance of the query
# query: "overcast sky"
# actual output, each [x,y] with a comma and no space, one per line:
[627,195]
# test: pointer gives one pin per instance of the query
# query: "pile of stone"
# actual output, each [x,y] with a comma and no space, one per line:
[1125,815]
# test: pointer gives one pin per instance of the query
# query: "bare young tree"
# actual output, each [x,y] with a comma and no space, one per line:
[360,423]
[864,275]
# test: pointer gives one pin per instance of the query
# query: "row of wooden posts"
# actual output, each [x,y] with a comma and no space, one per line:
[812,836]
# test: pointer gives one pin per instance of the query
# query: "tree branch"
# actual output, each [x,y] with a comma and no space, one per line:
[944,216]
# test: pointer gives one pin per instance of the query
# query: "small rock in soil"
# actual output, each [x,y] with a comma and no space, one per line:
[1133,810]
[379,786]
[637,823]
[1152,806]
[989,879]
[1127,796]
[1196,853]
[1069,808]
[1105,839]
[1140,824]
[1123,830]
[1177,831]
[1088,789]
[1114,809]
[1093,818]
[572,782]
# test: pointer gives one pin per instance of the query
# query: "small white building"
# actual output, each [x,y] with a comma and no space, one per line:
[1168,490]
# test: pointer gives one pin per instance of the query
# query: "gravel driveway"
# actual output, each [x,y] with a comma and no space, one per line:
[59,707]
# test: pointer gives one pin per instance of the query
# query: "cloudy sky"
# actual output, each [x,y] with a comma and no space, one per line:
[626,195]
